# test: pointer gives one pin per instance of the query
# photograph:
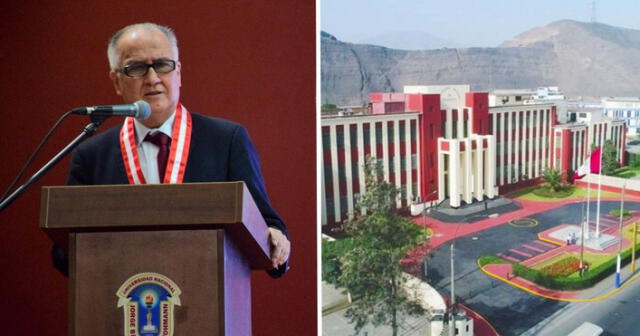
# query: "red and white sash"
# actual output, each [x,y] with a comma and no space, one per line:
[178,155]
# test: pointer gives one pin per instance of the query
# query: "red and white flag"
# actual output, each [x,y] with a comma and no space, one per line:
[591,165]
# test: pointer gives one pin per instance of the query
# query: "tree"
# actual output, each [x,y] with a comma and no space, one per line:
[609,158]
[553,178]
[370,268]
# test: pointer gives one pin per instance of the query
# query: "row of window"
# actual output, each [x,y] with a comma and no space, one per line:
[623,113]
[525,120]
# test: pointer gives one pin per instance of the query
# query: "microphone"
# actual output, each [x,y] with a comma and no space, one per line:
[139,110]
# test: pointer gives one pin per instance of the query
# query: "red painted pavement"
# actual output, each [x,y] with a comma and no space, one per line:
[443,232]
[524,254]
[533,248]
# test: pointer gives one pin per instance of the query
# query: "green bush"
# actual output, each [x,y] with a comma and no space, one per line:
[634,160]
[589,278]
[626,214]
[328,107]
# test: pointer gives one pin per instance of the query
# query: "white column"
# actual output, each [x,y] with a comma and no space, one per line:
[503,144]
[454,172]
[407,159]
[538,137]
[361,151]
[442,183]
[396,160]
[418,157]
[479,165]
[385,150]
[517,138]
[580,149]
[448,124]
[347,169]
[470,121]
[546,121]
[491,167]
[574,140]
[335,172]
[468,171]
[620,142]
[460,123]
[530,125]
[509,147]
[323,191]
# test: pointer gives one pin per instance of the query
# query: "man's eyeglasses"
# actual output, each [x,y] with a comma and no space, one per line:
[140,69]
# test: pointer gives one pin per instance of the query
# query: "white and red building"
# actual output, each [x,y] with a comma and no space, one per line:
[448,144]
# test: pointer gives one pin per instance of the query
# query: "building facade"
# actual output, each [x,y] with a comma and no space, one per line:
[627,109]
[457,149]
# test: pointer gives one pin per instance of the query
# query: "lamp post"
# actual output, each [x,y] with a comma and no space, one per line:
[452,320]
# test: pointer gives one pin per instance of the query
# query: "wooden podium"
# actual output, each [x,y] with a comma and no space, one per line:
[205,237]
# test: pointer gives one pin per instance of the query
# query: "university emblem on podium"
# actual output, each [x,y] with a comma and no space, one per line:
[148,300]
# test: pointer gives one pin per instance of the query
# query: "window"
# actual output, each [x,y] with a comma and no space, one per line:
[431,131]
[353,137]
[326,144]
[414,161]
[413,130]
[366,133]
[340,136]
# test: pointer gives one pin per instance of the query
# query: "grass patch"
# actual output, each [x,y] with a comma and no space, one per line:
[547,192]
[530,194]
[491,259]
[550,261]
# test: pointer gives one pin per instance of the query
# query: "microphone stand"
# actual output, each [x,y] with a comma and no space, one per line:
[88,131]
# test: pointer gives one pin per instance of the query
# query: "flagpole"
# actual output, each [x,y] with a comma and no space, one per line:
[618,261]
[599,191]
[588,196]
[582,242]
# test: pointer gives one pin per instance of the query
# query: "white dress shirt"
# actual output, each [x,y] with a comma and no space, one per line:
[147,151]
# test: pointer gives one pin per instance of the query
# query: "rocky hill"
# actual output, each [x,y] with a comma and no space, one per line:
[583,59]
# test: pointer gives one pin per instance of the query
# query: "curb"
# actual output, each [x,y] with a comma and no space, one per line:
[595,299]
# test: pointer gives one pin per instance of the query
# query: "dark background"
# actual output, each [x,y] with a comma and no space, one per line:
[249,61]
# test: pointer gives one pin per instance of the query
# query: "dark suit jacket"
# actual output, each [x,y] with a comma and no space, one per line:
[220,151]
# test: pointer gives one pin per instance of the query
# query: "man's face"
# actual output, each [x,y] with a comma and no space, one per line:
[161,91]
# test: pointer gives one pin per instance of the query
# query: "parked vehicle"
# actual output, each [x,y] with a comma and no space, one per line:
[587,329]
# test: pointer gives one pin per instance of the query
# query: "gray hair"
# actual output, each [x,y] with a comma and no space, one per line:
[112,53]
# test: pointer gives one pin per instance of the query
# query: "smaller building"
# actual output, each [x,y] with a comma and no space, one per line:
[627,109]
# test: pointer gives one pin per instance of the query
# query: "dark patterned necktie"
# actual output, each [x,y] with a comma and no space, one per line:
[163,142]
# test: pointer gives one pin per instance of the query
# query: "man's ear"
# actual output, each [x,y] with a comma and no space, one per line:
[116,82]
[178,68]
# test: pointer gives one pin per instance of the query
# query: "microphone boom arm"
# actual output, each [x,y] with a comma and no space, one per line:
[88,131]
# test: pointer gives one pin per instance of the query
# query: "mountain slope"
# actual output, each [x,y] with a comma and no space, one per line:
[584,59]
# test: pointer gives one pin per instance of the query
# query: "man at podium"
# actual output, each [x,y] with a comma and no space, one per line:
[172,145]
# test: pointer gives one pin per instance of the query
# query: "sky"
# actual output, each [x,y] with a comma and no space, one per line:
[467,23]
